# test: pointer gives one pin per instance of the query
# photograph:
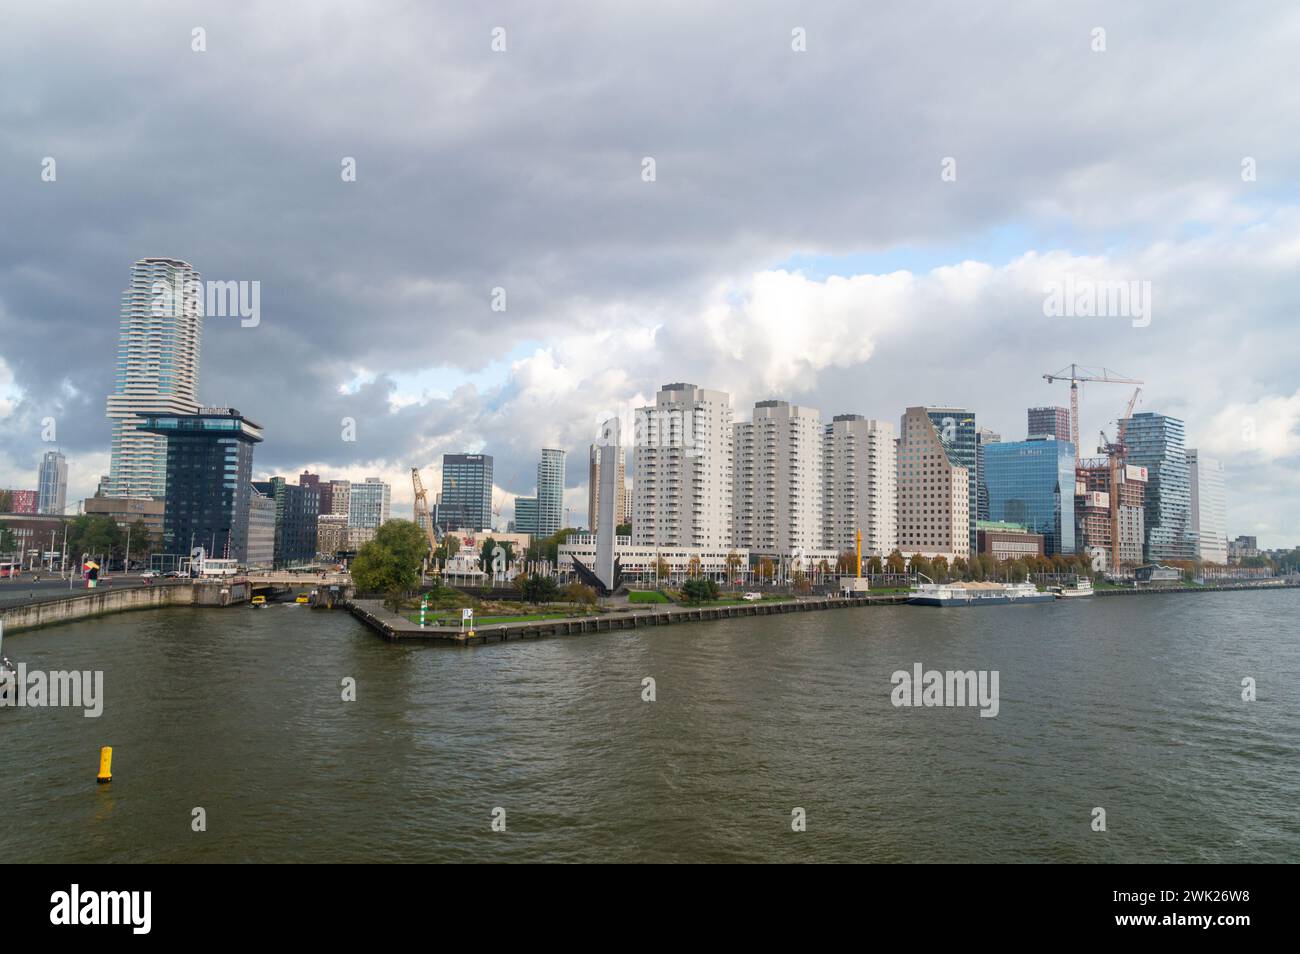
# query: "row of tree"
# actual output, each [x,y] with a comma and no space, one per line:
[92,534]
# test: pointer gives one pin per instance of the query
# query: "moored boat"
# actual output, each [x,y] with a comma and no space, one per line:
[1081,587]
[977,594]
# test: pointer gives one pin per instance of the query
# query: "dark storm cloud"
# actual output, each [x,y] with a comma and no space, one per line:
[522,170]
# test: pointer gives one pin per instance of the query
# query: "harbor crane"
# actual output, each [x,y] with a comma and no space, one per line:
[421,508]
[1075,374]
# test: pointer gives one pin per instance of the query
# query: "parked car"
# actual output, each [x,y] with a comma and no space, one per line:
[148,575]
[752,597]
[173,575]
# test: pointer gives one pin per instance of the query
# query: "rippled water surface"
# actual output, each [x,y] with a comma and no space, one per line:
[1132,704]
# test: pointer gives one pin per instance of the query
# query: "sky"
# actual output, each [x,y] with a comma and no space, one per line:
[868,222]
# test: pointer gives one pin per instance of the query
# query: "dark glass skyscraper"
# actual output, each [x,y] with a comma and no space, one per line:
[296,512]
[1032,483]
[209,466]
[957,434]
[466,492]
[1156,442]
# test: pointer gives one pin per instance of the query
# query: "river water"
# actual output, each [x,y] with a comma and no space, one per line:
[1131,704]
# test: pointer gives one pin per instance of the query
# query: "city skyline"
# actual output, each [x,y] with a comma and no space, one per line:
[888,302]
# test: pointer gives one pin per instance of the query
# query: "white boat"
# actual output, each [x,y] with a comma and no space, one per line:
[1081,587]
[977,594]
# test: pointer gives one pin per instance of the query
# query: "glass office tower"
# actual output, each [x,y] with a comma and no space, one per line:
[1031,483]
[1156,442]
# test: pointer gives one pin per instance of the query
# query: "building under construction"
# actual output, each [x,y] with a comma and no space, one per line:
[1095,522]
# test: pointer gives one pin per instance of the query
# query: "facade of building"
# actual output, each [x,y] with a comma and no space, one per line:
[336,497]
[297,510]
[23,501]
[934,515]
[642,563]
[369,503]
[209,458]
[52,483]
[956,429]
[682,470]
[1092,516]
[777,481]
[127,511]
[622,505]
[261,531]
[526,515]
[1243,548]
[1209,506]
[1008,541]
[159,336]
[859,485]
[1051,422]
[466,491]
[1155,441]
[331,533]
[983,437]
[1031,483]
[550,491]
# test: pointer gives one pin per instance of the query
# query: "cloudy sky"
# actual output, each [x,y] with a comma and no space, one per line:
[804,235]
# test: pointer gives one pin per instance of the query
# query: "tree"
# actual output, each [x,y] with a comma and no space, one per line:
[6,501]
[940,566]
[623,530]
[961,568]
[895,562]
[93,534]
[540,589]
[698,589]
[662,570]
[8,541]
[693,566]
[449,547]
[390,563]
[766,568]
[920,565]
[847,562]
[733,565]
[142,540]
[875,565]
[580,593]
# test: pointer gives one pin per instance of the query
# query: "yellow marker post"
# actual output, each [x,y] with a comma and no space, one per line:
[105,765]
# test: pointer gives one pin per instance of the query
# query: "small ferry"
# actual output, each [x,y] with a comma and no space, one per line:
[1081,587]
[977,594]
[258,602]
[302,599]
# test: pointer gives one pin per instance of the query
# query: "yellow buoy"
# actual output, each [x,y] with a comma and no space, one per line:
[105,765]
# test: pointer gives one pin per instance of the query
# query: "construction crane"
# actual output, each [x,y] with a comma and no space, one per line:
[1075,374]
[421,508]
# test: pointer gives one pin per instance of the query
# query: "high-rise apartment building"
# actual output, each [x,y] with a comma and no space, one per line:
[955,427]
[859,485]
[1031,483]
[526,515]
[466,492]
[206,479]
[1209,506]
[777,480]
[369,503]
[1049,422]
[297,510]
[550,491]
[682,469]
[934,501]
[1156,442]
[983,437]
[52,484]
[159,335]
[593,487]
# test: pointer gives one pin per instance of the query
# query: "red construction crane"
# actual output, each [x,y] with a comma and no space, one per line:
[1076,373]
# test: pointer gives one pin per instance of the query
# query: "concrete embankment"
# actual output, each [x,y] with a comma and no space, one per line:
[399,629]
[1207,588]
[100,602]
